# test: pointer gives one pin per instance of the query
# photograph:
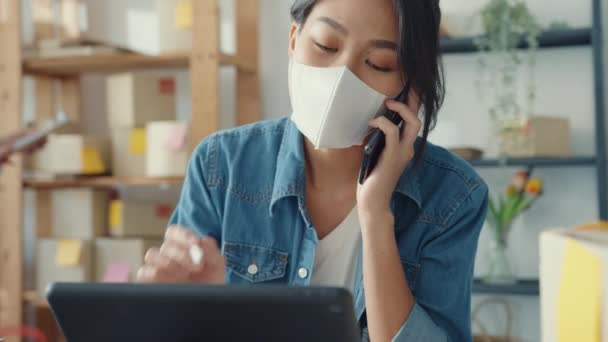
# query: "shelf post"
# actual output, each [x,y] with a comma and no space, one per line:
[11,253]
[248,83]
[597,38]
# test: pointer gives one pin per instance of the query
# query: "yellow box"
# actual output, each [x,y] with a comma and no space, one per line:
[574,285]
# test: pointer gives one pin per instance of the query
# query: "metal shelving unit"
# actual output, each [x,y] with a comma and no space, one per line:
[581,37]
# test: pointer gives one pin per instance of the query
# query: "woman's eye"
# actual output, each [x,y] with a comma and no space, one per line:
[325,48]
[379,68]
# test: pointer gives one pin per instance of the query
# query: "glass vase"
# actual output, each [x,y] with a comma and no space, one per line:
[499,268]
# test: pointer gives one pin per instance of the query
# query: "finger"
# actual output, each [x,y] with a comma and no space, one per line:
[212,252]
[181,255]
[167,265]
[149,274]
[390,130]
[411,120]
[182,235]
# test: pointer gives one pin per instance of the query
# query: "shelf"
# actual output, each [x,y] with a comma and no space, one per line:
[68,66]
[535,162]
[521,288]
[100,182]
[548,39]
[31,297]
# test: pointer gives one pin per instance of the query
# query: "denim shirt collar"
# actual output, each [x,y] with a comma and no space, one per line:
[289,180]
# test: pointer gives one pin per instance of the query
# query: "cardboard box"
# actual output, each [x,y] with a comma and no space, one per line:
[136,98]
[73,154]
[63,261]
[536,137]
[129,152]
[573,285]
[167,149]
[145,26]
[117,260]
[79,213]
[139,219]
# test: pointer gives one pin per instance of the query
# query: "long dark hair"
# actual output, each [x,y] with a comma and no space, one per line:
[418,50]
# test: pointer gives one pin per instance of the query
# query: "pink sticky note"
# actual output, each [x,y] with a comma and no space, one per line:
[176,139]
[117,272]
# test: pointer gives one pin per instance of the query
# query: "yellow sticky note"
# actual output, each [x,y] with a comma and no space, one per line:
[579,301]
[115,215]
[91,161]
[183,14]
[68,253]
[137,141]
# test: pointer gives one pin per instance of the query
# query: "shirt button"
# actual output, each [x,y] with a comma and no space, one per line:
[252,269]
[302,273]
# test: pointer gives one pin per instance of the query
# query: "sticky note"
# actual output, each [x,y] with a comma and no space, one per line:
[183,14]
[196,255]
[91,161]
[176,137]
[117,272]
[137,141]
[579,301]
[68,253]
[115,217]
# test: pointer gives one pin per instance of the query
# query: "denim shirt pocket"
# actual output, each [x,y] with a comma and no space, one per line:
[254,264]
[411,273]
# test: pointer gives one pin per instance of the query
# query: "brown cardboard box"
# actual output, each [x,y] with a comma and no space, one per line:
[73,154]
[135,98]
[117,260]
[128,152]
[79,213]
[63,261]
[139,219]
[536,137]
[167,150]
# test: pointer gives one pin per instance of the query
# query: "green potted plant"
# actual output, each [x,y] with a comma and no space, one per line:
[518,197]
[505,23]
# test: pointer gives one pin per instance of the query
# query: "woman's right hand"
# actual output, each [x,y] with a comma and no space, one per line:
[175,262]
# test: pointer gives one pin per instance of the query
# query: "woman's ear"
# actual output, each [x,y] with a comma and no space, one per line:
[293,33]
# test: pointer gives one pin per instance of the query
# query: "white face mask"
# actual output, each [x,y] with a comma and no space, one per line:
[331,106]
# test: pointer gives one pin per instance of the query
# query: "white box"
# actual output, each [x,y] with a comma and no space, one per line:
[49,270]
[128,152]
[136,98]
[139,219]
[73,154]
[566,256]
[144,26]
[165,155]
[79,213]
[129,252]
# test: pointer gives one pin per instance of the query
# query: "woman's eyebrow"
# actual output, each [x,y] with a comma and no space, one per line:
[384,44]
[334,24]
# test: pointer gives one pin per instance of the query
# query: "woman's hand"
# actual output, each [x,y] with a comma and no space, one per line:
[184,258]
[374,196]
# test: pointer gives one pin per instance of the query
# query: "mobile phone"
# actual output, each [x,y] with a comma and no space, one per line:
[28,141]
[375,145]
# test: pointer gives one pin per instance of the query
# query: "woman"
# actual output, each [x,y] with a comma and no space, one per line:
[279,201]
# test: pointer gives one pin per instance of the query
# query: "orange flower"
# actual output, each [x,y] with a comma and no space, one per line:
[520,179]
[534,186]
[511,191]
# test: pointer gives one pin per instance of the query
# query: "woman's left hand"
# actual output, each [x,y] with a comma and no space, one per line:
[374,196]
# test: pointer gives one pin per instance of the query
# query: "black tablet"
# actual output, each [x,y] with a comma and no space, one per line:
[187,313]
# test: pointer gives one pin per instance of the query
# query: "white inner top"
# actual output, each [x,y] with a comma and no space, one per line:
[336,256]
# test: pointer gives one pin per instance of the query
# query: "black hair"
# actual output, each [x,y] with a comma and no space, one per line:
[418,53]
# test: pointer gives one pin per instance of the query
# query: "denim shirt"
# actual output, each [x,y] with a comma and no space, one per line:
[246,188]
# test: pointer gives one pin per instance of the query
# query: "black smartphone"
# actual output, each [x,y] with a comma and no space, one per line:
[375,145]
